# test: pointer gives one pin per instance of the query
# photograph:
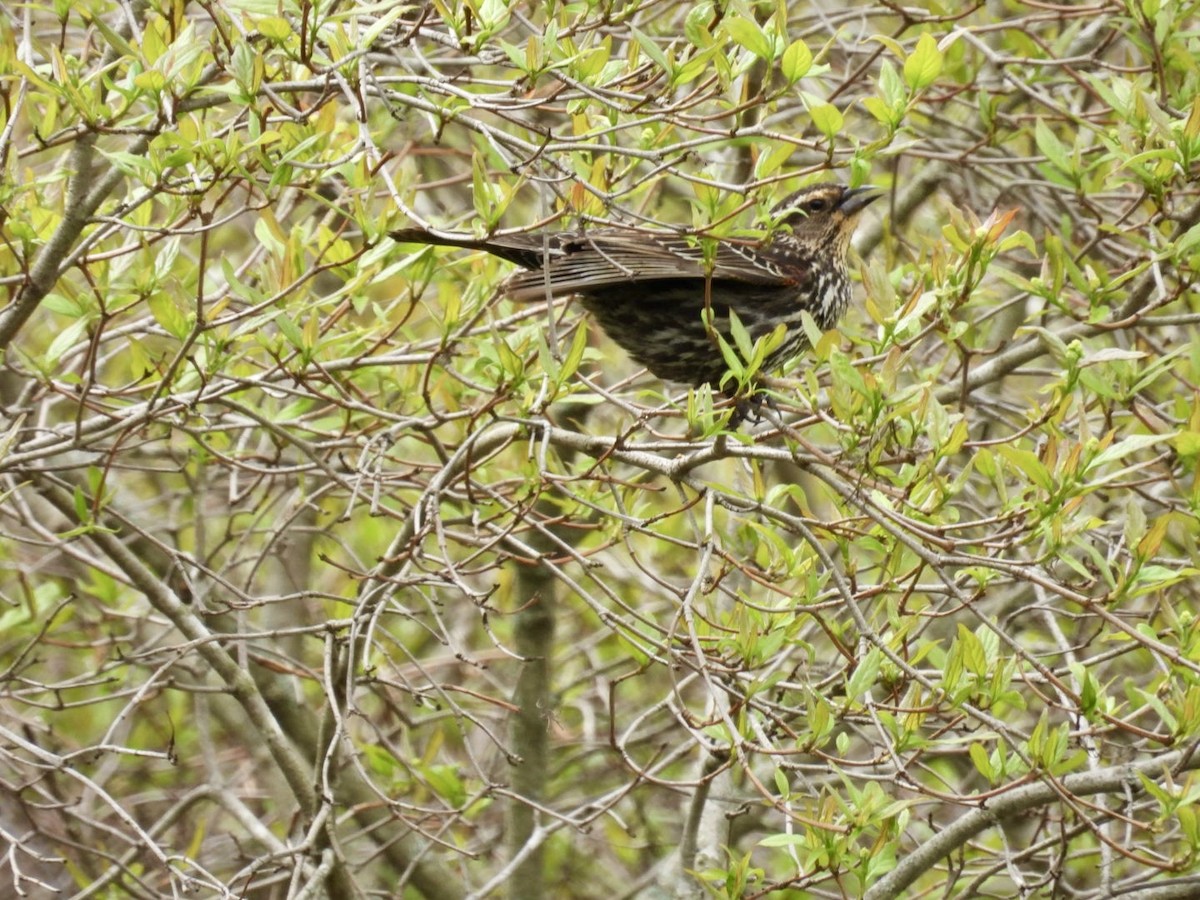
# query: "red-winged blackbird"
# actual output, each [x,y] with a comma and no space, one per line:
[648,289]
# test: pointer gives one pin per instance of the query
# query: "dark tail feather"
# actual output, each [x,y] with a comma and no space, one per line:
[421,236]
[514,249]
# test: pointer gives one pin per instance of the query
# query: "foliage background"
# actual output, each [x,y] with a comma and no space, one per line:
[327,573]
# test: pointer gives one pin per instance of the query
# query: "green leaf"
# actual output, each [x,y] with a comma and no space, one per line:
[275,29]
[445,781]
[891,43]
[510,360]
[733,362]
[741,337]
[812,331]
[1155,703]
[487,193]
[747,33]
[781,783]
[1123,448]
[494,14]
[772,161]
[238,287]
[827,118]
[64,340]
[820,718]
[695,25]
[914,313]
[784,840]
[652,50]
[973,654]
[890,85]
[167,313]
[1052,148]
[71,307]
[1088,693]
[1027,464]
[698,65]
[880,110]
[979,756]
[797,60]
[574,356]
[1190,239]
[922,68]
[382,24]
[864,675]
[115,40]
[83,511]
[589,64]
[290,330]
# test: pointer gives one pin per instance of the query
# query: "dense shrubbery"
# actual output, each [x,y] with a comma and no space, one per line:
[329,569]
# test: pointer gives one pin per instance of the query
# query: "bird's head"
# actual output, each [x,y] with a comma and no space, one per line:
[823,215]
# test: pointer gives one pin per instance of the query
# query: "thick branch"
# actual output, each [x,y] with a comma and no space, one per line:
[1016,802]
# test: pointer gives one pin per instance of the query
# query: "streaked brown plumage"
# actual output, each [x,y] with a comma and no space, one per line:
[648,290]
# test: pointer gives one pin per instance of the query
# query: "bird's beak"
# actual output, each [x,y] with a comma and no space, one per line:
[856,199]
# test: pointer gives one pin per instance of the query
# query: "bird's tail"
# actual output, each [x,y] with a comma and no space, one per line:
[519,249]
[440,239]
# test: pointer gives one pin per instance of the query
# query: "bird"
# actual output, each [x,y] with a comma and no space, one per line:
[648,289]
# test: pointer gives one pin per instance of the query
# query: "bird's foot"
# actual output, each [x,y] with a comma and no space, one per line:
[750,409]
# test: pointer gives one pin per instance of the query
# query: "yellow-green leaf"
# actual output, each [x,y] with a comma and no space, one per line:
[168,315]
[924,65]
[797,60]
[828,119]
[275,28]
[1053,149]
[750,35]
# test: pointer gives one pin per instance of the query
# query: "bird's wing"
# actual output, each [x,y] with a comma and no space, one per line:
[580,263]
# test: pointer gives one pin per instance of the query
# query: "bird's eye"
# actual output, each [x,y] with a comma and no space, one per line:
[814,206]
